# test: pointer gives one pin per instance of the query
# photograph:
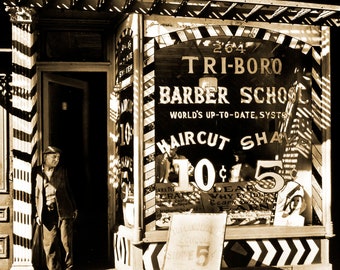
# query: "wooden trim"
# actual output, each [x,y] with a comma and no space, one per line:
[4,246]
[74,66]
[4,213]
[252,232]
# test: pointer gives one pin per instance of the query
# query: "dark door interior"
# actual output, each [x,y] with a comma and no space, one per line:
[74,112]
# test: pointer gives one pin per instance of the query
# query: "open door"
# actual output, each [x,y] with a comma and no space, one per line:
[65,109]
[74,119]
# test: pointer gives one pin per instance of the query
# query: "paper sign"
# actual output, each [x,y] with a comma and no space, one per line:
[195,241]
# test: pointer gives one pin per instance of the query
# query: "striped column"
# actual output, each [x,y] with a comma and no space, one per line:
[149,135]
[24,132]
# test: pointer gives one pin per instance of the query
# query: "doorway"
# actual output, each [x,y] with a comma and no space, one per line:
[74,117]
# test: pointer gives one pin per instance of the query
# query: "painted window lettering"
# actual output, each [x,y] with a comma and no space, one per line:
[206,183]
[228,47]
[193,95]
[269,164]
[239,65]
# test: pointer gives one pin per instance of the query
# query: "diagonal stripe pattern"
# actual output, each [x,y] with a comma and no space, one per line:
[24,111]
[252,253]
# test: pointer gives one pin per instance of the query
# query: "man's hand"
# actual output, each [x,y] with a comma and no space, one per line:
[38,220]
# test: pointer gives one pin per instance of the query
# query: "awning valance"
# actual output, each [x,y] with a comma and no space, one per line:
[288,12]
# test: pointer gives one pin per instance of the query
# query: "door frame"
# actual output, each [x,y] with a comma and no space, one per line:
[104,67]
[50,67]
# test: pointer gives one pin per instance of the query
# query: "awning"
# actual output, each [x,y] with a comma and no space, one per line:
[288,12]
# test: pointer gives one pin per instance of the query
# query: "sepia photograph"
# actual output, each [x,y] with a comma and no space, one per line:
[169,134]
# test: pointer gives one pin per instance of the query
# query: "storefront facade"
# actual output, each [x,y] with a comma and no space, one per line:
[210,81]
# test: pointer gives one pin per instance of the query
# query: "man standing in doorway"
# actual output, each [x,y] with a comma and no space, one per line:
[55,209]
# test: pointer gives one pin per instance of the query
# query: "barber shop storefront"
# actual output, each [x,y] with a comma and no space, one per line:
[197,132]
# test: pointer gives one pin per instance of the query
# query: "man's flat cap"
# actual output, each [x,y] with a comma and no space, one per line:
[52,150]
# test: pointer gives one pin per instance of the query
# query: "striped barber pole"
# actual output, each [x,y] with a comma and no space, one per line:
[321,148]
[149,136]
[24,119]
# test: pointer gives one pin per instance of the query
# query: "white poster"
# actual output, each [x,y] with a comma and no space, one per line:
[195,241]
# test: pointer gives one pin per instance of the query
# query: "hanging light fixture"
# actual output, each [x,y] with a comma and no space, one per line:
[208,83]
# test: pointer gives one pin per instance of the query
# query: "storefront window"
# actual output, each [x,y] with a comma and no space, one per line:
[233,131]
